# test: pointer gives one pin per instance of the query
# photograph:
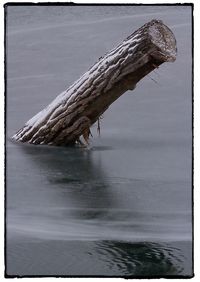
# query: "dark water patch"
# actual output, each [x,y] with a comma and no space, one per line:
[142,259]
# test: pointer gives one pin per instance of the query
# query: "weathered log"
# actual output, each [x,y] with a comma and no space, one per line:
[72,113]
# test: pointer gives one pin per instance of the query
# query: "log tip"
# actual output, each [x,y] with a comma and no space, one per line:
[162,37]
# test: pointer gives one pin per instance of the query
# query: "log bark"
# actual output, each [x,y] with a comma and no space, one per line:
[72,113]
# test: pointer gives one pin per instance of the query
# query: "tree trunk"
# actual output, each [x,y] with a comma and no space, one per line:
[72,113]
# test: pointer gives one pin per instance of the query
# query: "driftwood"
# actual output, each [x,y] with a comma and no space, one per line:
[72,113]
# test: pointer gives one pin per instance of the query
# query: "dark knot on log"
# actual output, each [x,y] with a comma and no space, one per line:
[72,113]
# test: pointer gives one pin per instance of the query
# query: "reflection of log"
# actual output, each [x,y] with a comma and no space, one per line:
[72,113]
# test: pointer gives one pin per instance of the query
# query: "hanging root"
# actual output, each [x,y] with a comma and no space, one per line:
[98,125]
[152,79]
[86,135]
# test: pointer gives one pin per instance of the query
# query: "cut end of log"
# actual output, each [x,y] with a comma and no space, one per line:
[162,37]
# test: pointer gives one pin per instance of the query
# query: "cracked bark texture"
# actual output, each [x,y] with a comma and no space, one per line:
[72,113]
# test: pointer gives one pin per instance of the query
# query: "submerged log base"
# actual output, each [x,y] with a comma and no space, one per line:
[72,113]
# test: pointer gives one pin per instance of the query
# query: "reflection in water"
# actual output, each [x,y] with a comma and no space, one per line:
[82,183]
[73,173]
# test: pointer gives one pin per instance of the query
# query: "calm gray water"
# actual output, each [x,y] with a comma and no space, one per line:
[123,206]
